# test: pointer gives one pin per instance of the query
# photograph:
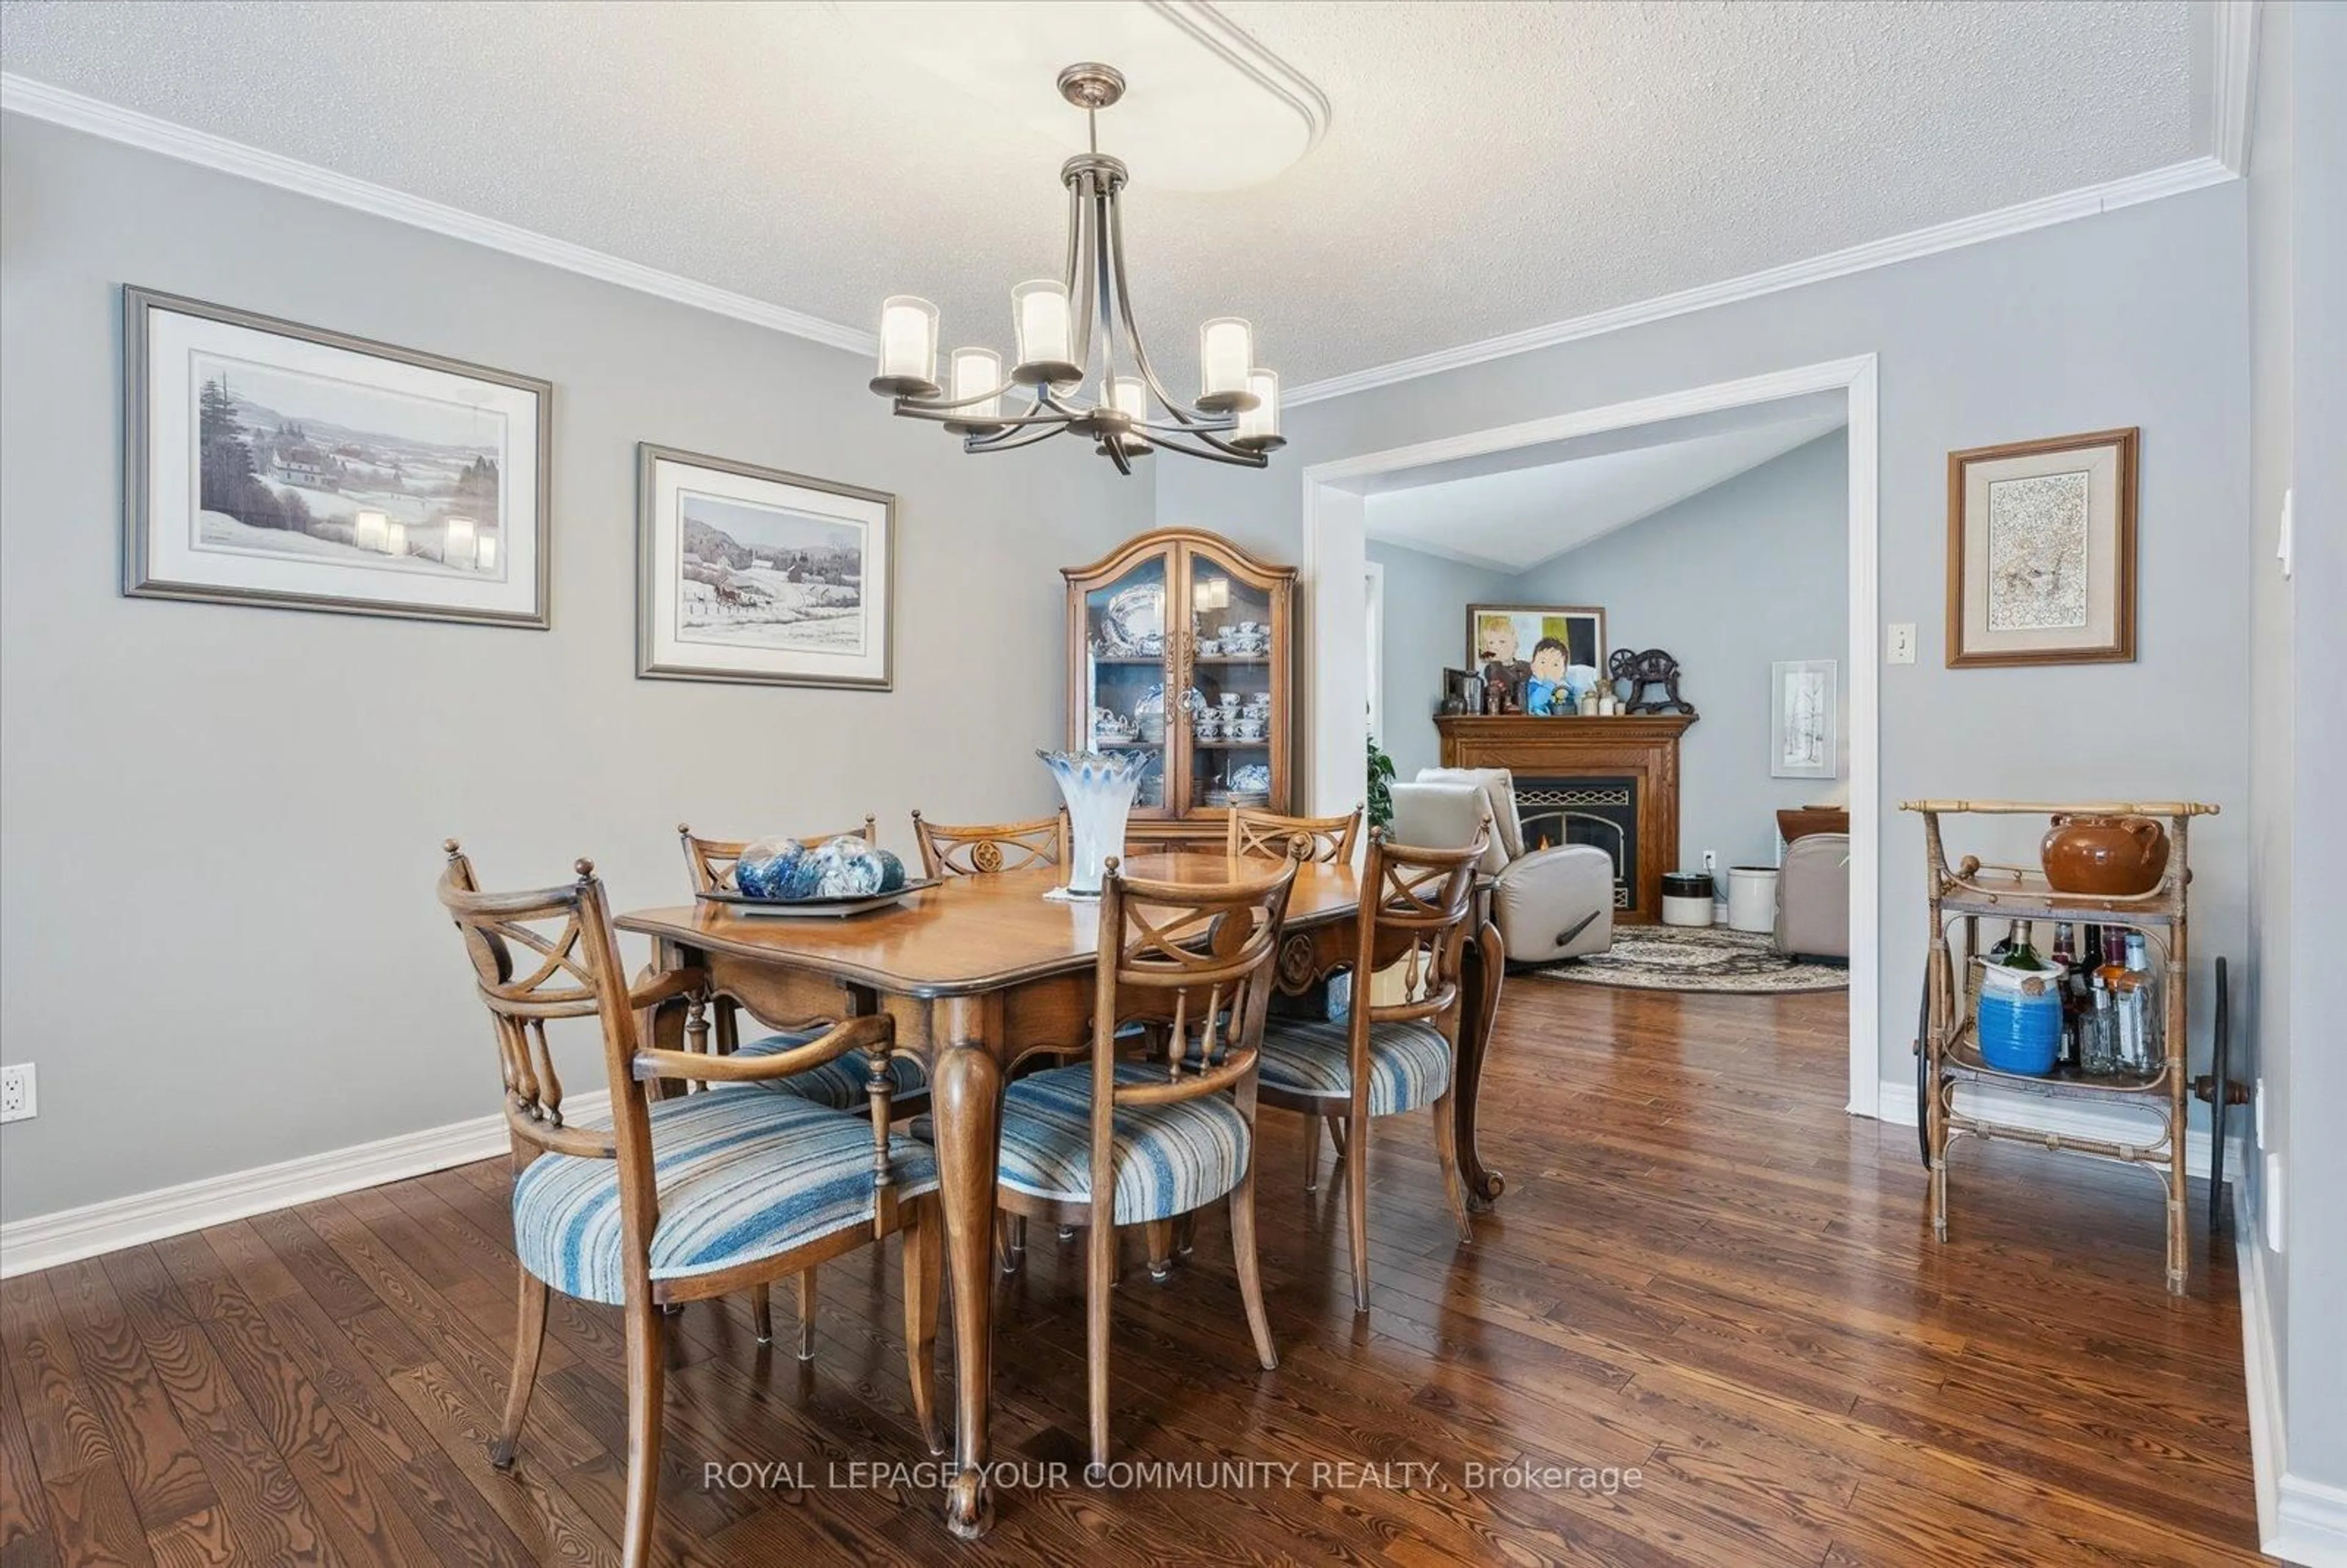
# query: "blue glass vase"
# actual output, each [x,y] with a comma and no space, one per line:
[1099,788]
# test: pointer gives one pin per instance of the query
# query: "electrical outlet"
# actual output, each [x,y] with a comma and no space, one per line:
[1902,649]
[18,1103]
[1711,864]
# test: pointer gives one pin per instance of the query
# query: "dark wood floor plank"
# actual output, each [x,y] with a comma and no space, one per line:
[259,1502]
[1702,1269]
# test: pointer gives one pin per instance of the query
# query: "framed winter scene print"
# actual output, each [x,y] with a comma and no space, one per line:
[750,574]
[268,463]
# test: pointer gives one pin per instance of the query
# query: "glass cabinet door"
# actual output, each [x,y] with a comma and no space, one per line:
[1234,728]
[1129,690]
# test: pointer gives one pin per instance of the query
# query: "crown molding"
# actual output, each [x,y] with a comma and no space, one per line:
[2086,201]
[76,111]
[2235,62]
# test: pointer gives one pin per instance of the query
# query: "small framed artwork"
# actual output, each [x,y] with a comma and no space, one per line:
[1549,653]
[1804,719]
[268,463]
[2041,551]
[750,574]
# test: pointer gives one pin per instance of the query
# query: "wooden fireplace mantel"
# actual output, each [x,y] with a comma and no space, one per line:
[1644,747]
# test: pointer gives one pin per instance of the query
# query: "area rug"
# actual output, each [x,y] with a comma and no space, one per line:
[1697,958]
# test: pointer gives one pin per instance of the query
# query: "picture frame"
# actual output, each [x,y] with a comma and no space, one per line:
[2042,551]
[287,467]
[1510,637]
[1804,719]
[754,575]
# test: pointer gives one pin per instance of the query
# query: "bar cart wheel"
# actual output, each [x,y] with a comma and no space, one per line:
[2206,1087]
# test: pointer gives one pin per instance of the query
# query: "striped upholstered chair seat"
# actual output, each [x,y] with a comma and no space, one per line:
[1410,1062]
[742,1176]
[842,1082]
[1169,1159]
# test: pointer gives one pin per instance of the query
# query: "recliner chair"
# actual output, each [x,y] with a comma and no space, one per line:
[1813,897]
[1548,905]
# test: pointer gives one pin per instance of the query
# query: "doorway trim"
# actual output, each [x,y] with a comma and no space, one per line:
[1333,555]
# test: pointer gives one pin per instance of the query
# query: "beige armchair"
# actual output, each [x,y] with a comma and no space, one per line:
[1813,897]
[1548,905]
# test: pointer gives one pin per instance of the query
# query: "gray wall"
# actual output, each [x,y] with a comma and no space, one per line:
[222,824]
[1729,581]
[1426,633]
[2297,251]
[2134,317]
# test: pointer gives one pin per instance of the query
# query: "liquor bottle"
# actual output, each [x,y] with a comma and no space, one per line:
[2151,1015]
[2004,945]
[2097,1035]
[2066,962]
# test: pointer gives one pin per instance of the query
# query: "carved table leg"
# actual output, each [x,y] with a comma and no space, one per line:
[1483,960]
[966,1087]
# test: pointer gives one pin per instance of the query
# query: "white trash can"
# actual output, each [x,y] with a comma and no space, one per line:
[1752,898]
[1686,898]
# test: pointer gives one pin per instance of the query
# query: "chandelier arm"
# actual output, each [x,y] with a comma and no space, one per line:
[1058,418]
[940,405]
[1106,256]
[1188,418]
[1213,451]
[1010,440]
[1083,240]
[1115,450]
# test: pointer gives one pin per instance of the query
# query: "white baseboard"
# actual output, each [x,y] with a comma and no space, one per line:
[2071,1118]
[2299,1521]
[47,1240]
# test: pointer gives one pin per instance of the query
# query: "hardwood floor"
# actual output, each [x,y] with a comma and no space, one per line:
[1702,1270]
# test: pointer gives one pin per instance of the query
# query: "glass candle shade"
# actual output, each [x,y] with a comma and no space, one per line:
[1098,787]
[1038,310]
[908,348]
[1129,395]
[975,372]
[1258,428]
[1225,353]
[460,545]
[372,531]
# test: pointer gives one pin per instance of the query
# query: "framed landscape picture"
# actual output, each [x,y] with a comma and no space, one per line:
[2041,551]
[269,463]
[750,574]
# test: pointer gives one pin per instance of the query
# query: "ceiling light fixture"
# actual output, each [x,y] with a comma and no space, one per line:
[1060,323]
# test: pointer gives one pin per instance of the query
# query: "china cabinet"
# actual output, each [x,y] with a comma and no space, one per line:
[1181,644]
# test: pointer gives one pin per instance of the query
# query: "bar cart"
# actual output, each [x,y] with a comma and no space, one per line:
[1969,891]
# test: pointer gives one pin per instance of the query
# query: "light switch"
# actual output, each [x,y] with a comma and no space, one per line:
[1902,649]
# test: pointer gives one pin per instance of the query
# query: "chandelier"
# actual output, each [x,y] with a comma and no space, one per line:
[1082,368]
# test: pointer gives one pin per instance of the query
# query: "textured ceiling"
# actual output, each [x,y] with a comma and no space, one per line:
[1487,167]
[1556,497]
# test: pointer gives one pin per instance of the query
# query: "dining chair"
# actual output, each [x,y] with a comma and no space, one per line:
[676,1199]
[1382,1058]
[977,850]
[1310,839]
[1115,1141]
[838,1083]
[982,850]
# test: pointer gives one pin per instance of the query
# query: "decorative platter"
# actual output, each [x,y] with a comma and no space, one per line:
[1135,617]
[816,908]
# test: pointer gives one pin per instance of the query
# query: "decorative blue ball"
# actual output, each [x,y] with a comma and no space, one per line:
[892,872]
[768,867]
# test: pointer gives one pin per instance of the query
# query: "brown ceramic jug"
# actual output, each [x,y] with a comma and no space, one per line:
[2111,857]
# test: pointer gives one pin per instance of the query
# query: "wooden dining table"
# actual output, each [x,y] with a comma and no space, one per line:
[978,972]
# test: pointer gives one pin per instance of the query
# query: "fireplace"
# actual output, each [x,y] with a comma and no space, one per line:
[1600,812]
[1609,782]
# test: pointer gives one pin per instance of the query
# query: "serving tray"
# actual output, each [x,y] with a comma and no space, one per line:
[815,908]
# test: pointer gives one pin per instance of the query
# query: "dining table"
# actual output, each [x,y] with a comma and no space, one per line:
[978,973]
